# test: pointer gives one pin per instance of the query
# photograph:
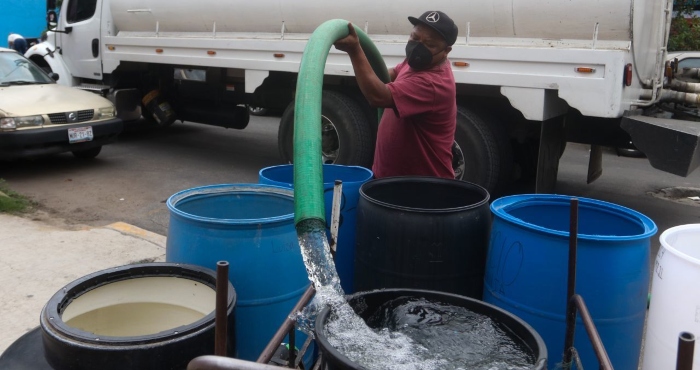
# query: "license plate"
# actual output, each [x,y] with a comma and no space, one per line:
[79,134]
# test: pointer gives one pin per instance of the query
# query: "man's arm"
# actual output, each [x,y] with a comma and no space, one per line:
[374,90]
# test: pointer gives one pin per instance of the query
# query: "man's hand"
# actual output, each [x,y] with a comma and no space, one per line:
[349,43]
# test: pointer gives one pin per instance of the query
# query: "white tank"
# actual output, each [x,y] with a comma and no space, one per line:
[553,19]
[642,23]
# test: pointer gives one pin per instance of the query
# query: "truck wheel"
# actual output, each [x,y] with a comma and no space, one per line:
[87,153]
[481,152]
[257,111]
[346,135]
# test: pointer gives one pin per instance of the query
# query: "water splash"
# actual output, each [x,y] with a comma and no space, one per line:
[317,257]
[401,342]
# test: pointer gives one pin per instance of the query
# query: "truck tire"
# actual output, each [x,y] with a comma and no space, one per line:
[346,134]
[481,153]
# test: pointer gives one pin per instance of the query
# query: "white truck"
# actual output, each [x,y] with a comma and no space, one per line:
[531,74]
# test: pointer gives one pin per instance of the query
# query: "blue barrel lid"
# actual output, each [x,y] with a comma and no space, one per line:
[502,208]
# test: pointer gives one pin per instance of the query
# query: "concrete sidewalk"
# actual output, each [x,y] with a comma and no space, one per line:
[37,260]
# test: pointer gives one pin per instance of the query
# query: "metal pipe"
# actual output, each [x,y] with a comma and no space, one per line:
[225,363]
[593,335]
[679,97]
[288,325]
[571,286]
[683,86]
[335,214]
[292,348]
[303,350]
[686,349]
[688,72]
[221,308]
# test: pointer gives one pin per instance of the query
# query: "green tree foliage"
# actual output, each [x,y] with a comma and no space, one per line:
[685,27]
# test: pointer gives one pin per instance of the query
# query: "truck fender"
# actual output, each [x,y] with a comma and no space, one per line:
[49,59]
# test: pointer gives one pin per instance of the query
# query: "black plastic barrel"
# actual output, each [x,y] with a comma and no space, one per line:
[367,303]
[422,233]
[143,316]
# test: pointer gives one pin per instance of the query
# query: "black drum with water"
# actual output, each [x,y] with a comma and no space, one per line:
[144,316]
[366,304]
[422,233]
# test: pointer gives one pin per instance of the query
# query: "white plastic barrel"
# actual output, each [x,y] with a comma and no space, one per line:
[675,297]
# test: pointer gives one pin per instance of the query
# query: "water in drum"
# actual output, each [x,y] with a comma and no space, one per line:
[385,351]
[134,319]
[463,338]
[417,335]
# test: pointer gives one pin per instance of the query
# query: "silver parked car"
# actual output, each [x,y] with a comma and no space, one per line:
[39,117]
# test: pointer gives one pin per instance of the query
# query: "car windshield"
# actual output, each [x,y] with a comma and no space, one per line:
[15,69]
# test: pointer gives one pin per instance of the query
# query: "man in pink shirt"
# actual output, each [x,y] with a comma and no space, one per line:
[417,129]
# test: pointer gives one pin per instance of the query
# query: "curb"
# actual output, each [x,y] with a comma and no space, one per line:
[137,232]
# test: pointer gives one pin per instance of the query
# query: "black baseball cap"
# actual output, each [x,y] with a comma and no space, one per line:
[440,22]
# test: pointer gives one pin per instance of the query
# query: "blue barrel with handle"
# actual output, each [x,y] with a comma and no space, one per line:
[352,177]
[252,227]
[527,264]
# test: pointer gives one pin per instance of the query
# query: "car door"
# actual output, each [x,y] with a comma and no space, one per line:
[81,45]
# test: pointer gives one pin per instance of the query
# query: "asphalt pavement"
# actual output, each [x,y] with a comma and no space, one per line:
[39,259]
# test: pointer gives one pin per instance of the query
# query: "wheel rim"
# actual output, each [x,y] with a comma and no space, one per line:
[458,163]
[256,110]
[330,143]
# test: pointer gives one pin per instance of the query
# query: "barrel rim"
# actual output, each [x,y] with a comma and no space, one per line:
[283,167]
[500,206]
[53,325]
[182,195]
[482,190]
[331,352]
[668,247]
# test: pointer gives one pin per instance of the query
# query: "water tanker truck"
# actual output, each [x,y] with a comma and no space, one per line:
[531,75]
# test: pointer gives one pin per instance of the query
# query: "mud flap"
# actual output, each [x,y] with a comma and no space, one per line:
[671,145]
[595,163]
[552,139]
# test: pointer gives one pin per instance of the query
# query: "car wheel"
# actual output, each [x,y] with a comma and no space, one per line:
[345,133]
[87,153]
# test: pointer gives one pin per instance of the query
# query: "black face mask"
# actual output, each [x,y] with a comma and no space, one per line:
[418,55]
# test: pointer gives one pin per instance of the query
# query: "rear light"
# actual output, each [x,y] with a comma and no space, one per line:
[628,74]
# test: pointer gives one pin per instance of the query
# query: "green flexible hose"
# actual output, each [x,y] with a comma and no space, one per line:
[308,166]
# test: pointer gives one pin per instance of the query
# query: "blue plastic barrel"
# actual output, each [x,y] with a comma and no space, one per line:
[352,177]
[527,263]
[252,227]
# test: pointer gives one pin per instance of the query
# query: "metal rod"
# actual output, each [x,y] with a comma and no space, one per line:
[221,308]
[303,349]
[593,335]
[226,363]
[686,348]
[335,214]
[288,325]
[292,348]
[571,287]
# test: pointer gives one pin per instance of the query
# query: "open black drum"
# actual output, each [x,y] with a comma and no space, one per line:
[143,316]
[423,233]
[371,305]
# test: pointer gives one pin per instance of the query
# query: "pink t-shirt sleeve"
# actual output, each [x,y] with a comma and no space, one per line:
[413,94]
